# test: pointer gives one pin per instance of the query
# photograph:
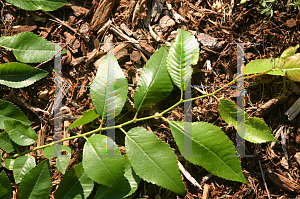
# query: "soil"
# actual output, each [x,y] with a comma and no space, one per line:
[269,170]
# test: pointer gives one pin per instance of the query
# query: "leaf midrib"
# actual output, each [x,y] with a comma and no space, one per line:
[208,149]
[154,163]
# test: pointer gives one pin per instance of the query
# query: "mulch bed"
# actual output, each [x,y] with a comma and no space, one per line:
[228,22]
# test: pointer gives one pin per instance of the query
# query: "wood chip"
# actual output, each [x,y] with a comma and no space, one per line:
[102,14]
[283,182]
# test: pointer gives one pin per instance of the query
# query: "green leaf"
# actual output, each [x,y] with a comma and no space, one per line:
[131,184]
[228,112]
[17,75]
[214,148]
[292,67]
[154,83]
[6,144]
[75,184]
[22,165]
[46,5]
[29,47]
[5,187]
[145,150]
[88,116]
[110,169]
[99,87]
[182,54]
[257,131]
[9,163]
[263,65]
[62,161]
[9,111]
[20,133]
[37,183]
[289,52]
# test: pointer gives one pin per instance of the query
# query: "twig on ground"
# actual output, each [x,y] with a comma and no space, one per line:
[264,180]
[188,176]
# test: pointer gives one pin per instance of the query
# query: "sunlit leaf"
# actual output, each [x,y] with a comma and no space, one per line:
[183,53]
[21,166]
[154,83]
[29,47]
[46,5]
[115,100]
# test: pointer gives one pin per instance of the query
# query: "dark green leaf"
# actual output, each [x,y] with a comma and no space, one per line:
[75,184]
[6,144]
[131,185]
[20,133]
[17,75]
[37,183]
[110,169]
[5,187]
[9,111]
[153,160]
[88,116]
[214,148]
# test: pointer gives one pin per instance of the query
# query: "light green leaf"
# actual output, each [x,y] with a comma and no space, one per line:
[228,112]
[263,65]
[99,87]
[289,52]
[145,150]
[292,67]
[154,83]
[183,53]
[110,169]
[9,111]
[257,131]
[20,133]
[243,1]
[9,163]
[131,185]
[46,5]
[22,165]
[75,184]
[214,148]
[37,183]
[62,161]
[88,116]
[6,144]
[5,187]
[29,47]
[17,75]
